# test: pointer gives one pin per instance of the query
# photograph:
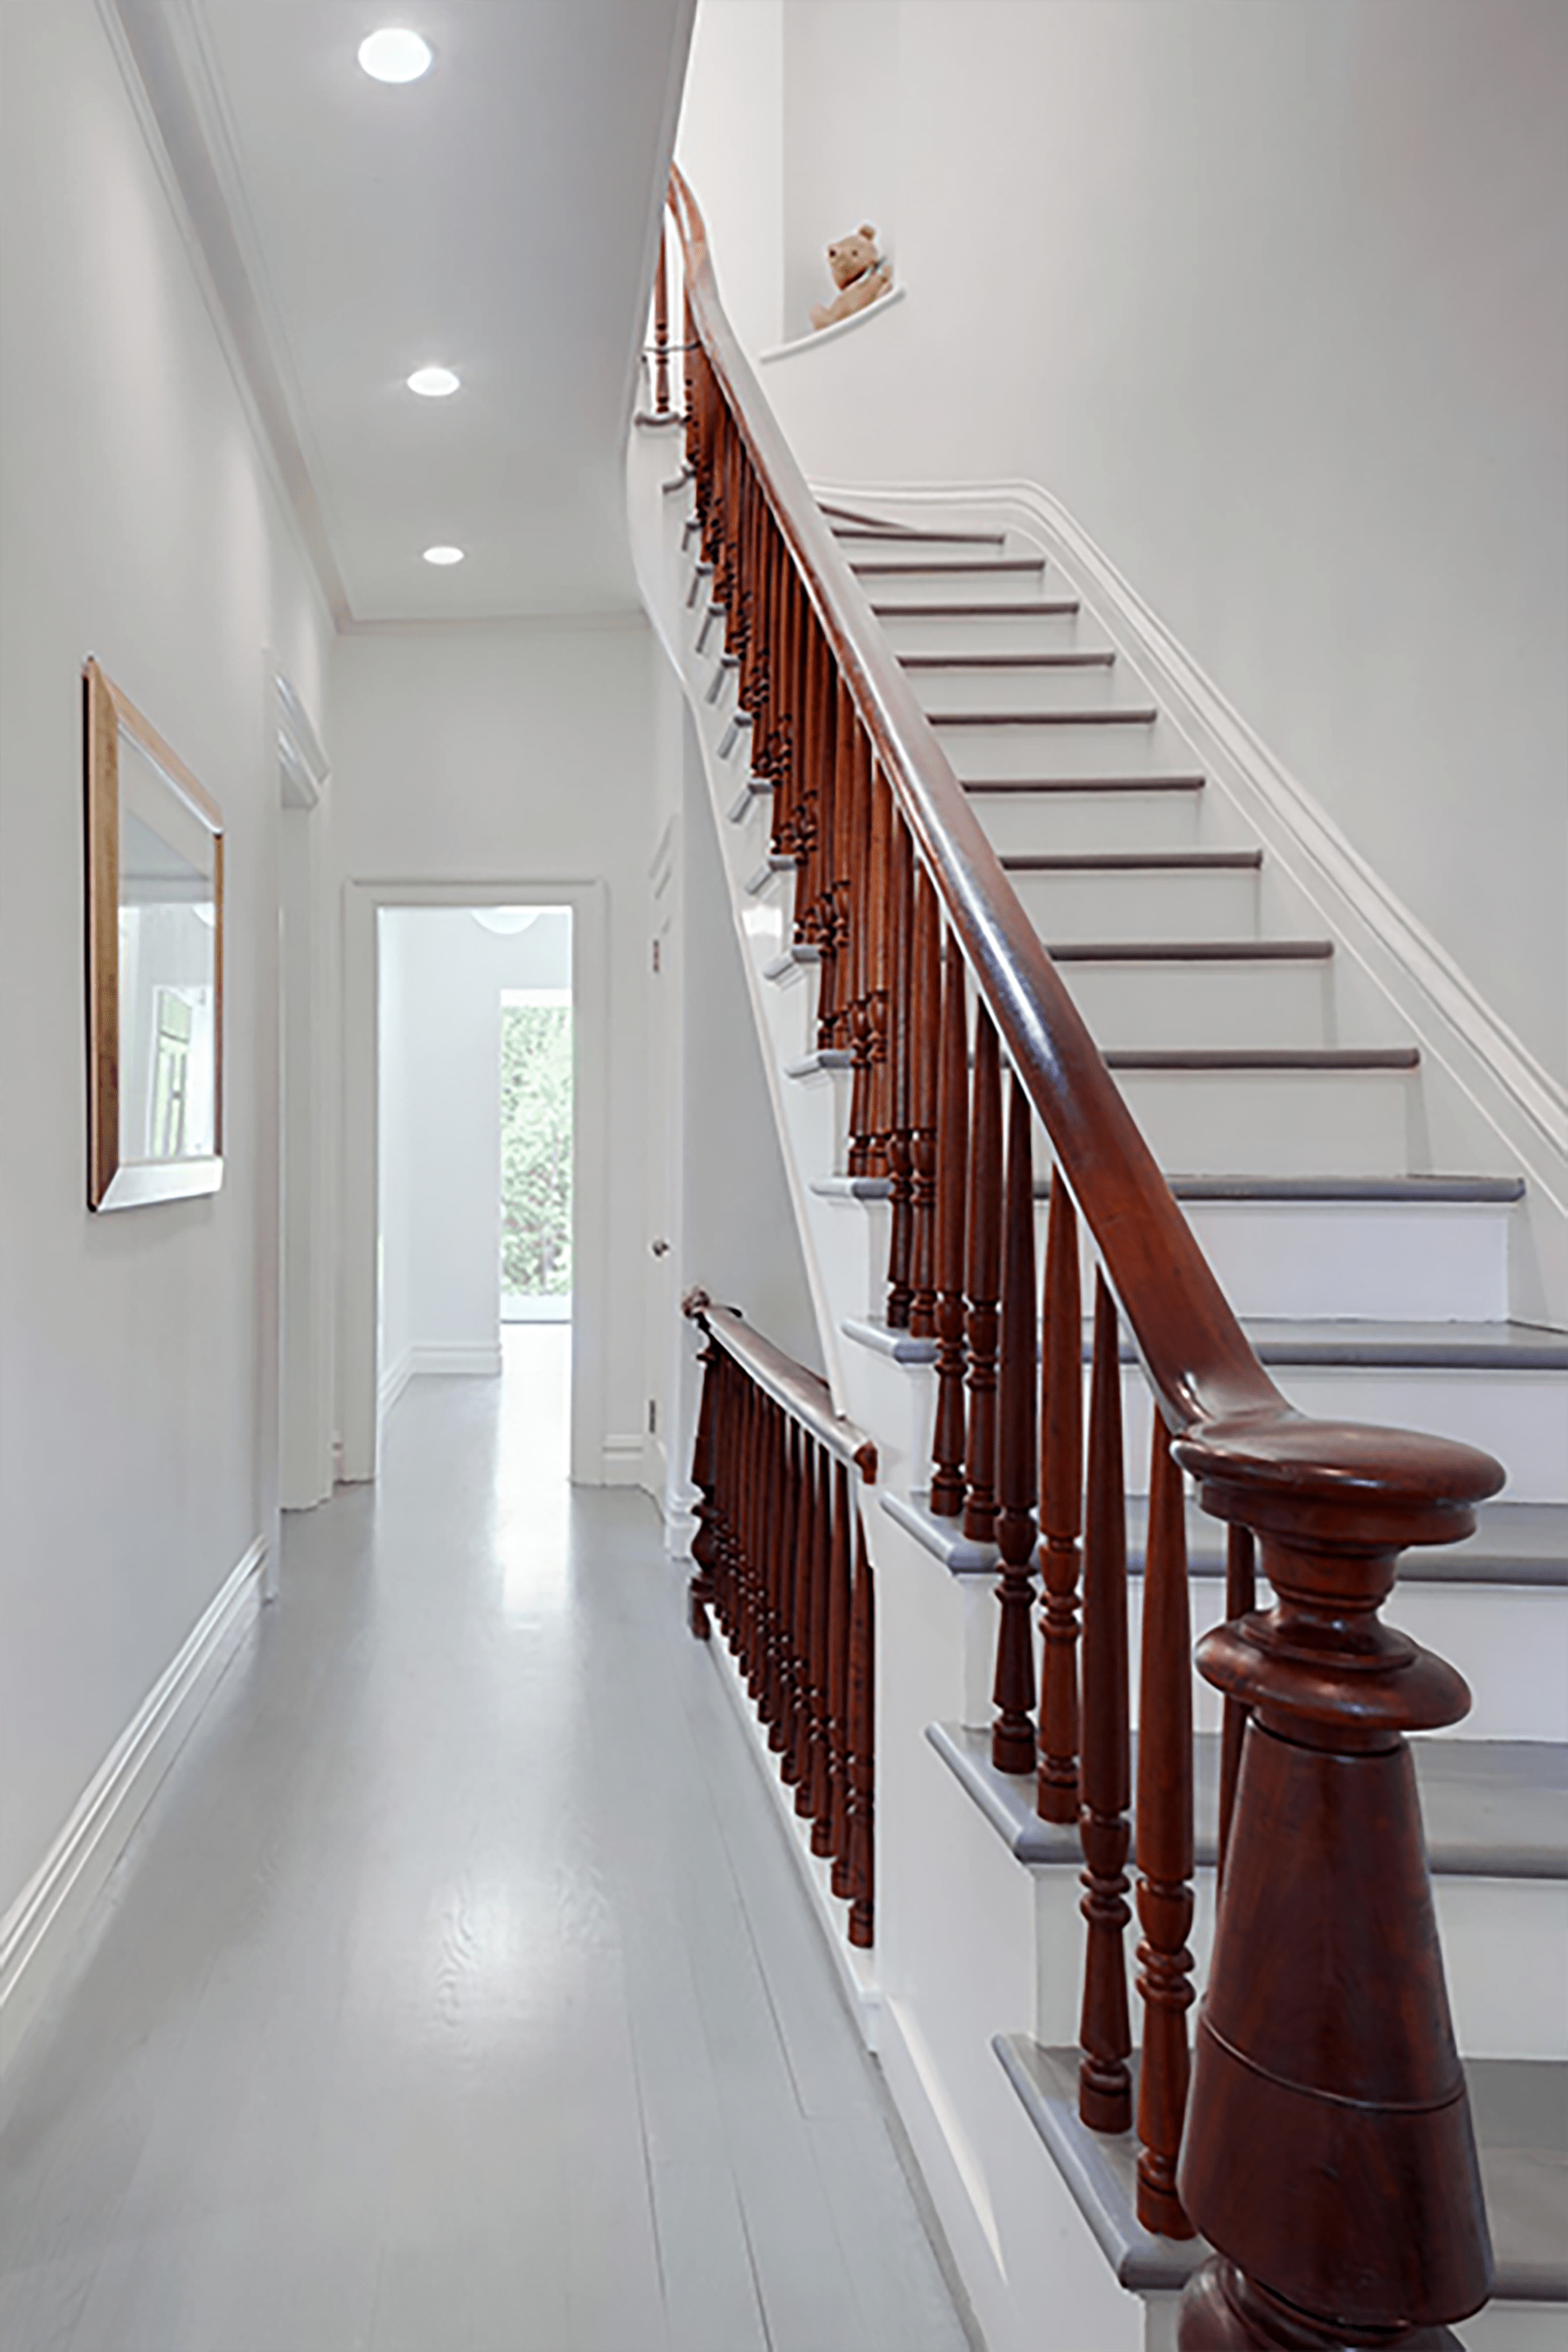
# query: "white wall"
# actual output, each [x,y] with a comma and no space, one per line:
[526,754]
[843,148]
[140,526]
[1271,297]
[442,974]
[730,147]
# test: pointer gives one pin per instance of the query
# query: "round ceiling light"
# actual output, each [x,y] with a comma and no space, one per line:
[507,923]
[443,555]
[433,383]
[394,55]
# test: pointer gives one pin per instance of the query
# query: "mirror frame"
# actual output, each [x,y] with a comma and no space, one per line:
[112,1182]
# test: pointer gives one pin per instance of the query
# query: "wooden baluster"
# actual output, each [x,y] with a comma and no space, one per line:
[704,1477]
[662,327]
[951,1182]
[1165,1841]
[1061,1487]
[1240,1599]
[788,1726]
[862,947]
[787,703]
[879,972]
[1104,2080]
[822,1607]
[839,1683]
[1012,1733]
[805,1555]
[901,1078]
[831,745]
[926,1027]
[862,1748]
[984,1280]
[771,1520]
[805,830]
[752,1614]
[722,1379]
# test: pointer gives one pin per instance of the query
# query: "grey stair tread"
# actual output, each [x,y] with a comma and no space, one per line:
[827,1058]
[1518,2106]
[982,786]
[853,1187]
[1491,1807]
[1042,604]
[847,522]
[1393,1346]
[1188,950]
[1135,861]
[878,567]
[1404,1189]
[1113,714]
[1263,1057]
[1060,657]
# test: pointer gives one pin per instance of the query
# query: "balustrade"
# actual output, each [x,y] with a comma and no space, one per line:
[1305,2102]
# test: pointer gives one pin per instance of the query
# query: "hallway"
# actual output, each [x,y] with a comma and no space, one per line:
[455,1994]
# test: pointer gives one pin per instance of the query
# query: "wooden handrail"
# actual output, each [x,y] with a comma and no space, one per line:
[804,1394]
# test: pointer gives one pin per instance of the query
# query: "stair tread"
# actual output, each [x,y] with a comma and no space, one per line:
[1352,1189]
[1133,861]
[1188,950]
[1491,1808]
[877,567]
[1501,1346]
[1519,1544]
[1112,714]
[983,786]
[1517,2106]
[1262,1057]
[1048,606]
[1062,658]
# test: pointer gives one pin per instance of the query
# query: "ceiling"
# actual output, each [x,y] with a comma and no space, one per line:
[498,216]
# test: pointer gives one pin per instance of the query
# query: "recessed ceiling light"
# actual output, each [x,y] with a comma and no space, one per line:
[507,923]
[394,55]
[443,555]
[433,383]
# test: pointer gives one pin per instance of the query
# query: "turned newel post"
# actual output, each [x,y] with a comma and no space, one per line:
[1327,2155]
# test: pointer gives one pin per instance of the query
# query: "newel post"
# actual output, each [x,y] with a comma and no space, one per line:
[1327,2153]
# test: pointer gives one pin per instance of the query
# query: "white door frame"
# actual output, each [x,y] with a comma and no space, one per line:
[358,1338]
[303,1339]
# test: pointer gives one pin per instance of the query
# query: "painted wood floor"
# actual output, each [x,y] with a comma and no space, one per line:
[455,1994]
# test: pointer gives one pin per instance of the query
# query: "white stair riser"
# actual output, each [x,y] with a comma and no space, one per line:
[1267,1123]
[1502,1947]
[996,633]
[1207,903]
[1522,1418]
[1056,824]
[949,585]
[1095,686]
[1134,748]
[1205,1004]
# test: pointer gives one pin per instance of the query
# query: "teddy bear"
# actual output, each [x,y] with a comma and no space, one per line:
[858,274]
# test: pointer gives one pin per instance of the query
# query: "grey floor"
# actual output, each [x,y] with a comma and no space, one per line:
[456,1993]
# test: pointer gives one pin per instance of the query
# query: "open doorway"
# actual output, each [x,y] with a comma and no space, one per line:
[476,1062]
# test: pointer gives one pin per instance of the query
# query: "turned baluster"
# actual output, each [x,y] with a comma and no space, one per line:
[772,1516]
[952,1181]
[805,830]
[1061,1487]
[806,1554]
[788,1726]
[786,786]
[901,1078]
[1165,1839]
[1104,2080]
[821,1582]
[753,1545]
[1240,1599]
[925,990]
[878,976]
[723,1377]
[831,745]
[863,945]
[1012,1733]
[862,1748]
[662,327]
[704,1477]
[983,1255]
[838,1841]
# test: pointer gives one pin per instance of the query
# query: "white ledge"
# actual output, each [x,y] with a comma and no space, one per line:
[820,335]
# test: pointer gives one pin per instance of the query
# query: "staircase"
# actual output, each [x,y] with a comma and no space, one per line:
[1290,1116]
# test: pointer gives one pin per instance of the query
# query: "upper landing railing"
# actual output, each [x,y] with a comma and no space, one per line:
[1325,2147]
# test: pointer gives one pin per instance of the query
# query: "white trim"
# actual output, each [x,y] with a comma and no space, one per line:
[820,335]
[621,1461]
[457,1358]
[358,1378]
[395,1379]
[37,1931]
[1519,1100]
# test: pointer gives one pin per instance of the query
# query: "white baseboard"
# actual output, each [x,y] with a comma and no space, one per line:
[459,1358]
[1510,1090]
[623,1461]
[395,1379]
[38,1930]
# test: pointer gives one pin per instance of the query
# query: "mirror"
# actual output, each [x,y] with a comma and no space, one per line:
[155,962]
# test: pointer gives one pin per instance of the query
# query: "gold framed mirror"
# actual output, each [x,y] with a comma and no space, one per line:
[155,962]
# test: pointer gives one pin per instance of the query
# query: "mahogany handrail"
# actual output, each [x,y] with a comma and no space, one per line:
[804,1394]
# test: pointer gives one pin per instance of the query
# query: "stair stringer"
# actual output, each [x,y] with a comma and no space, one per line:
[957,1918]
[1487,1103]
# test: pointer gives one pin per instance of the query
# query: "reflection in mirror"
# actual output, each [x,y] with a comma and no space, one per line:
[155,962]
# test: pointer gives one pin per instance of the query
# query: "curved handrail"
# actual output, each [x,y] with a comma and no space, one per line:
[1210,1386]
[804,1395]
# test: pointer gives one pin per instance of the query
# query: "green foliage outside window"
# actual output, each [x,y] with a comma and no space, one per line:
[536,1148]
